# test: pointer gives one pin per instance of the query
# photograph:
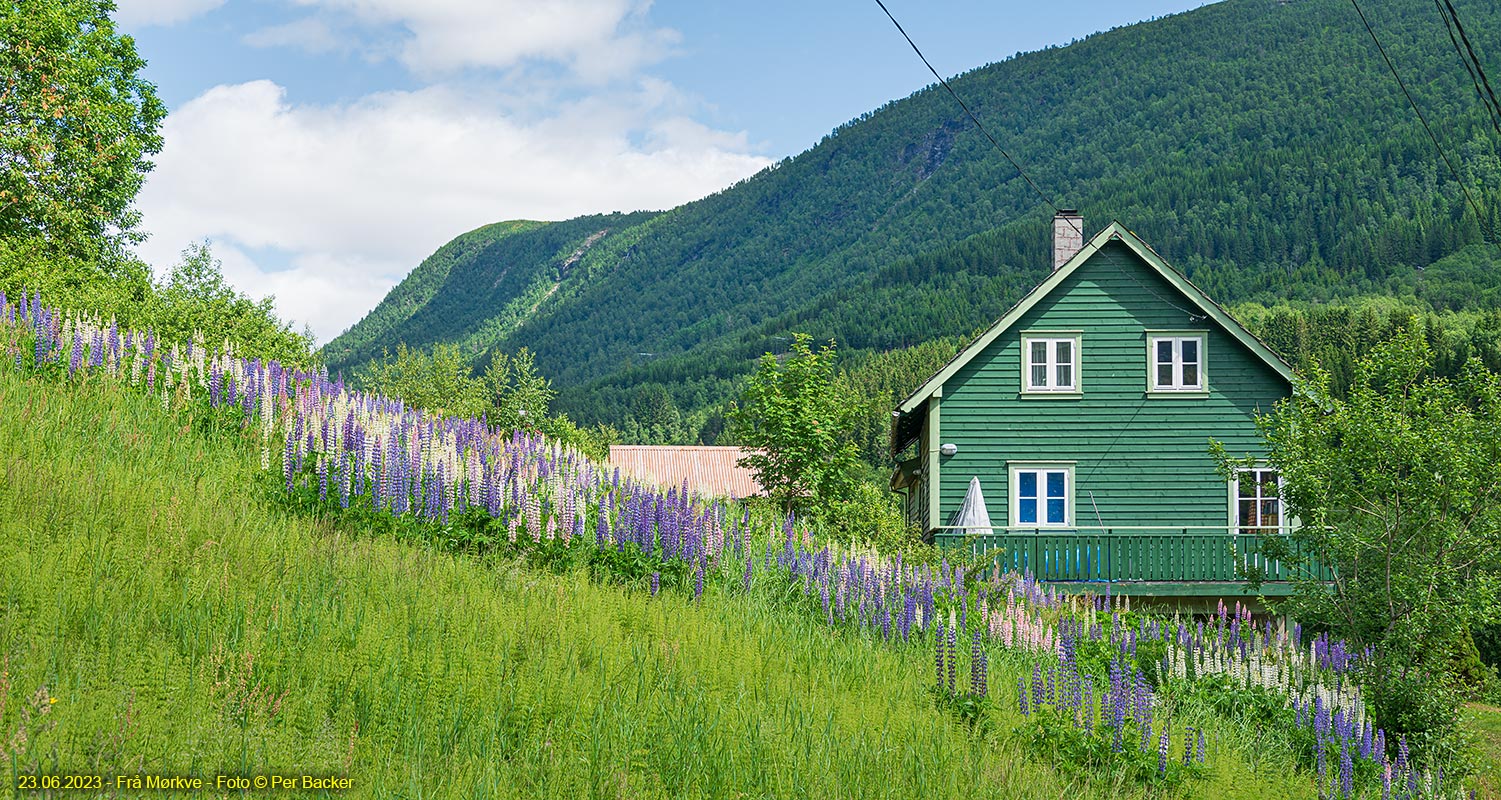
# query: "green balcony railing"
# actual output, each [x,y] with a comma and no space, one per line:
[1183,554]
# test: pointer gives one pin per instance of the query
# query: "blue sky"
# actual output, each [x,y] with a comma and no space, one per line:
[325,147]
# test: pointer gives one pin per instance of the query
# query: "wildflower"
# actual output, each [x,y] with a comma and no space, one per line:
[953,652]
[1162,752]
[656,583]
[938,654]
[1346,770]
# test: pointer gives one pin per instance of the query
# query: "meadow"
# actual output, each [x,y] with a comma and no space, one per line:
[174,607]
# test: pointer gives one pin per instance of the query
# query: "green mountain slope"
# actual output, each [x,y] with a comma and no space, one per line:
[477,288]
[1261,147]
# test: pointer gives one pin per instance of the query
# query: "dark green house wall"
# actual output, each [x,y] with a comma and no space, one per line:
[1140,459]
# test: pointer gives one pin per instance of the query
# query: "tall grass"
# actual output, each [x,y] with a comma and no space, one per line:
[184,626]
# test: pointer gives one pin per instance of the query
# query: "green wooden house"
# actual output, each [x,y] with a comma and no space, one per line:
[1086,414]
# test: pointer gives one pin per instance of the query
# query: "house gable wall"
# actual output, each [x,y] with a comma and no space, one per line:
[1139,459]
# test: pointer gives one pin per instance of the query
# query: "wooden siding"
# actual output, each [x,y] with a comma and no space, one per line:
[1139,459]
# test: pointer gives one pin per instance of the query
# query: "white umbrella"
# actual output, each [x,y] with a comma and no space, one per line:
[972,516]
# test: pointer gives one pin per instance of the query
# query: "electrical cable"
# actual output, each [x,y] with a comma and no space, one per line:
[1472,63]
[1480,218]
[976,120]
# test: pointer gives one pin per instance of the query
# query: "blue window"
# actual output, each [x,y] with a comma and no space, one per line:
[1042,496]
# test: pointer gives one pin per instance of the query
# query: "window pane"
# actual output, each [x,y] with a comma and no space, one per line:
[1055,484]
[1165,374]
[1164,351]
[1247,512]
[1065,351]
[1190,374]
[1026,484]
[1269,514]
[1039,352]
[1055,512]
[1065,376]
[1190,351]
[1246,485]
[1027,510]
[1039,375]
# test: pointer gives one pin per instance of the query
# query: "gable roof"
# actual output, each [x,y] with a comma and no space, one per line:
[1113,232]
[706,470]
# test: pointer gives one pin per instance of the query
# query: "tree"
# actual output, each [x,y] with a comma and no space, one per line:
[1398,489]
[519,395]
[77,123]
[797,426]
[440,382]
[196,299]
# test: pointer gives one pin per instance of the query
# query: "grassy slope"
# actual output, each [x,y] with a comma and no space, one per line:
[186,628]
[1483,722]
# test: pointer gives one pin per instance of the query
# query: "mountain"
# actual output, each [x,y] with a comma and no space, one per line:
[1260,146]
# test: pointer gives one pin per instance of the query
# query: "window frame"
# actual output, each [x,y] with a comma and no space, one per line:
[1075,340]
[1201,337]
[1236,527]
[1041,468]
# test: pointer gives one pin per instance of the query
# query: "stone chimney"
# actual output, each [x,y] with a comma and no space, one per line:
[1068,235]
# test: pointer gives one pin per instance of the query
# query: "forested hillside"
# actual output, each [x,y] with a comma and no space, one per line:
[1262,148]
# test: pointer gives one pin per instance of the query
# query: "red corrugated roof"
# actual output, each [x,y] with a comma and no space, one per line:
[708,470]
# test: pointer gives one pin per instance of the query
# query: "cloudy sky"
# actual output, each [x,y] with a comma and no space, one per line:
[325,147]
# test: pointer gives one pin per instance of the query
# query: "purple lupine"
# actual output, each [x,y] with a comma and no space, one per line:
[76,359]
[976,665]
[1188,746]
[1346,770]
[656,583]
[952,655]
[1021,696]
[1319,748]
[938,654]
[1202,751]
[823,594]
[1162,747]
[287,463]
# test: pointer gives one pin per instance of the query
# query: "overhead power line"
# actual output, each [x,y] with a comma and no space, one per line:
[1471,60]
[1480,218]
[975,119]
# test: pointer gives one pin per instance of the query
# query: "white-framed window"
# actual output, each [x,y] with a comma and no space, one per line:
[1175,362]
[1050,362]
[1256,501]
[1042,495]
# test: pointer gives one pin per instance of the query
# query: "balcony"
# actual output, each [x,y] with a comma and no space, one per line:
[1199,561]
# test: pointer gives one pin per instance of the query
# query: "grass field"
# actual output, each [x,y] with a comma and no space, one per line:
[1483,722]
[159,617]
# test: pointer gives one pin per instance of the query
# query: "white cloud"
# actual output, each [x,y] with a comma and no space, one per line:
[600,40]
[309,33]
[161,12]
[356,195]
